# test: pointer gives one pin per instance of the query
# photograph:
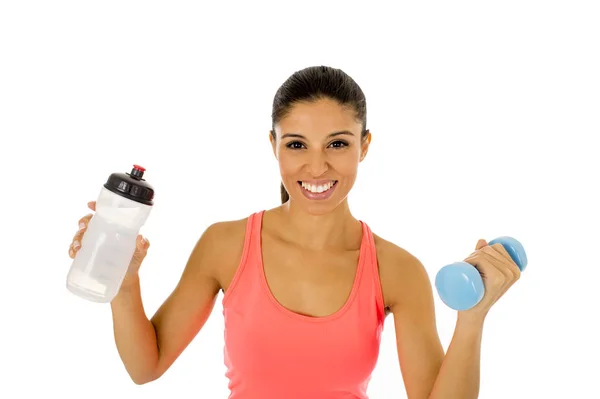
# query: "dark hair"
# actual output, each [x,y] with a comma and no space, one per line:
[315,83]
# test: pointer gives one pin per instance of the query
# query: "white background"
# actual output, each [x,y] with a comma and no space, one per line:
[484,119]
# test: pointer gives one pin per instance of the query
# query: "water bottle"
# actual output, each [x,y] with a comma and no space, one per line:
[108,245]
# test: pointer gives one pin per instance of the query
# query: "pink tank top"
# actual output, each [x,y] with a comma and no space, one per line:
[273,353]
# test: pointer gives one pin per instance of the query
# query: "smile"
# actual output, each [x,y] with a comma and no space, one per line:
[318,190]
[319,187]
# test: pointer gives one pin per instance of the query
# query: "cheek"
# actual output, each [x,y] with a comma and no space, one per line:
[289,164]
[346,164]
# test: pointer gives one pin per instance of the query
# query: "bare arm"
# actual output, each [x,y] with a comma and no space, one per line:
[409,296]
[427,373]
[148,347]
[460,372]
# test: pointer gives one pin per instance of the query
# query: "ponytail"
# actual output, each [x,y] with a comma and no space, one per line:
[284,195]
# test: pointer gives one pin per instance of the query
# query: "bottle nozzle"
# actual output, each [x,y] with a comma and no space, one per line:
[137,171]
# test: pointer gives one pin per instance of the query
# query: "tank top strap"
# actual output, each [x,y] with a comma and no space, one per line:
[371,269]
[255,232]
[249,258]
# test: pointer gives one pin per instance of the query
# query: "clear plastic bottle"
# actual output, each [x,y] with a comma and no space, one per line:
[108,245]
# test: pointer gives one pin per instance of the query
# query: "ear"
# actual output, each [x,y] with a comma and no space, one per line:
[364,148]
[273,143]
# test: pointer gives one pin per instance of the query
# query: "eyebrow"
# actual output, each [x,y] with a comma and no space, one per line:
[343,132]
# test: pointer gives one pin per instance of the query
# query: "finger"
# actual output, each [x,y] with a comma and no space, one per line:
[480,244]
[497,261]
[77,237]
[497,251]
[82,227]
[92,205]
[487,267]
[502,277]
[141,249]
[494,250]
[84,221]
[501,250]
[143,243]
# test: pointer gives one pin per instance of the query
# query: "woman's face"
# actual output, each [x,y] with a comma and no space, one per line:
[318,146]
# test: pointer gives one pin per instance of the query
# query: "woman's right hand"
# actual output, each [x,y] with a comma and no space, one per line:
[142,244]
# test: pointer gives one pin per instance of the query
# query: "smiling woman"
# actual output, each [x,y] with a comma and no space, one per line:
[305,106]
[306,285]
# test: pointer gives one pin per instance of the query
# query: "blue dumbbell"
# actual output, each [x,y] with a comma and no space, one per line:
[460,285]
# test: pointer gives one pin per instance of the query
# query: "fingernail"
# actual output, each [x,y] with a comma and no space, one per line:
[81,226]
[76,245]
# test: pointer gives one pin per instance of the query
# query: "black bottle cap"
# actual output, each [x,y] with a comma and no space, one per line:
[131,185]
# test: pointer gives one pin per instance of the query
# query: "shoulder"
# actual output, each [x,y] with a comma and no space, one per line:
[225,232]
[219,249]
[402,275]
[396,261]
[222,238]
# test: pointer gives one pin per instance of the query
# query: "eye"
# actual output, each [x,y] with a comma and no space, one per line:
[339,144]
[294,145]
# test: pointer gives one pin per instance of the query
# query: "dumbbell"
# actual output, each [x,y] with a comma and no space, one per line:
[460,285]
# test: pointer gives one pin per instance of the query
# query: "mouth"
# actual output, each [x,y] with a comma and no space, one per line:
[317,190]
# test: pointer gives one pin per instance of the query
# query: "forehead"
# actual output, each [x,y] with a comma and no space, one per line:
[318,118]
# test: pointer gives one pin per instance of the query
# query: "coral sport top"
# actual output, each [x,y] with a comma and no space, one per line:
[274,353]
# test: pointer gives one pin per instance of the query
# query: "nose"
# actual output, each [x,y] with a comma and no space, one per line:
[317,164]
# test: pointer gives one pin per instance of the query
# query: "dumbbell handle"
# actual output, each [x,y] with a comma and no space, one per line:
[460,285]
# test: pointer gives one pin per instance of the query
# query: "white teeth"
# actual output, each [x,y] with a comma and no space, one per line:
[317,189]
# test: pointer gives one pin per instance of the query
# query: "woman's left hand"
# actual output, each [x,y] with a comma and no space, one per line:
[498,271]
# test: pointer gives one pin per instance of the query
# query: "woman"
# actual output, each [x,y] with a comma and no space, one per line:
[306,285]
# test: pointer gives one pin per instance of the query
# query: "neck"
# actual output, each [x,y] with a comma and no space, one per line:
[318,231]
